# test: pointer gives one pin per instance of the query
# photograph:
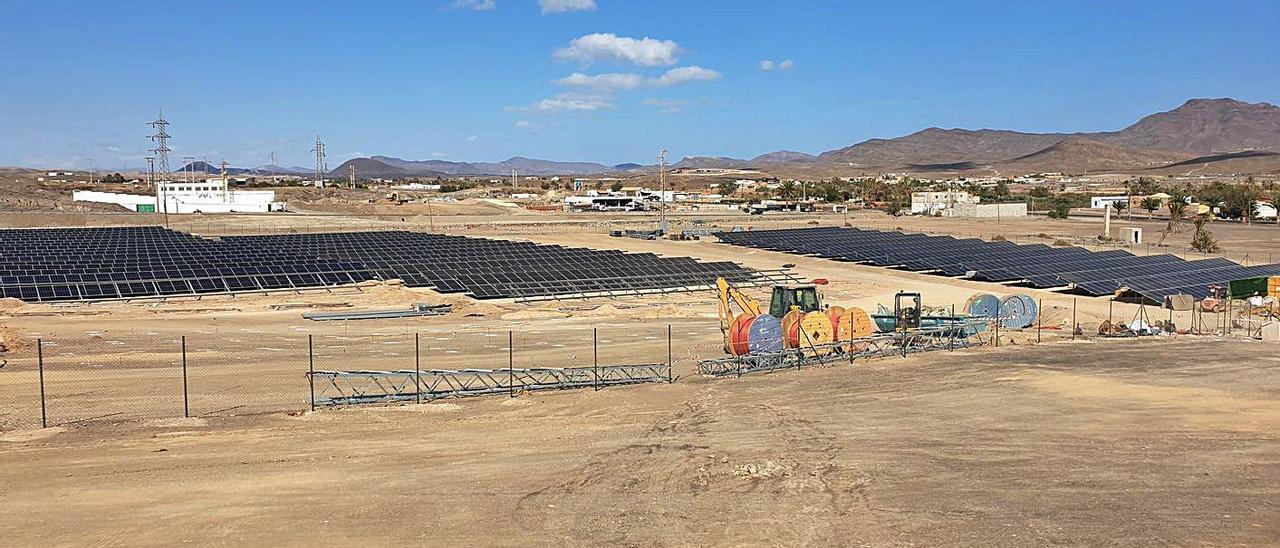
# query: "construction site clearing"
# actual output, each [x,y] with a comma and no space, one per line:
[1055,432]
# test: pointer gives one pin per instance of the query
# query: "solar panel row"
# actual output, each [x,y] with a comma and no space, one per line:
[104,263]
[1093,273]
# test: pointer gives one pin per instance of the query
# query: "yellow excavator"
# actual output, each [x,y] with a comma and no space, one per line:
[797,309]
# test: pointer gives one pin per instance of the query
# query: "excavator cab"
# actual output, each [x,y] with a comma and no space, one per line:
[804,297]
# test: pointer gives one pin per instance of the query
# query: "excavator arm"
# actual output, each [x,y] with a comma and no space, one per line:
[730,296]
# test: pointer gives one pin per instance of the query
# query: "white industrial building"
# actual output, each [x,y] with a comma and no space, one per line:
[931,203]
[208,196]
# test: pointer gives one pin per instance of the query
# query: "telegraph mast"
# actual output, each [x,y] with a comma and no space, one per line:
[662,191]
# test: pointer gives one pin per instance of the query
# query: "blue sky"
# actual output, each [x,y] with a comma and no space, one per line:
[483,80]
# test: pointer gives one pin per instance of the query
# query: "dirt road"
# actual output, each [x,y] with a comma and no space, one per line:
[1122,442]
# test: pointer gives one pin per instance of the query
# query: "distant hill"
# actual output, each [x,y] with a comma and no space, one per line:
[1204,127]
[524,166]
[781,157]
[942,146]
[1198,127]
[709,162]
[1082,155]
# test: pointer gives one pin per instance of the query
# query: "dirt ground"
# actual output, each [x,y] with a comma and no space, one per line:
[1118,443]
[1169,441]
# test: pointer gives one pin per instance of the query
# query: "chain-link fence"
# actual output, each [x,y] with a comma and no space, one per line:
[101,377]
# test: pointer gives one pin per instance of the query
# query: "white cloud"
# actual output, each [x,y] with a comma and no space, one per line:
[610,80]
[568,102]
[472,138]
[645,51]
[782,65]
[523,124]
[615,81]
[682,75]
[665,106]
[439,154]
[560,6]
[477,5]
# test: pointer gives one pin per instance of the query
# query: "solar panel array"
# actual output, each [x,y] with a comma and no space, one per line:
[67,264]
[500,268]
[1150,277]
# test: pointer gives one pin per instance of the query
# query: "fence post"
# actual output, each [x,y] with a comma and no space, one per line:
[417,371]
[186,404]
[1073,318]
[997,330]
[311,371]
[670,379]
[44,416]
[511,364]
[595,358]
[1039,319]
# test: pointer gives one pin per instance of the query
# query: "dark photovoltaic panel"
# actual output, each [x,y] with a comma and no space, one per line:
[500,268]
[1093,273]
[65,264]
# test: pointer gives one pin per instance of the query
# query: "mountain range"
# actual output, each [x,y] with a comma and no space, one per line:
[1201,135]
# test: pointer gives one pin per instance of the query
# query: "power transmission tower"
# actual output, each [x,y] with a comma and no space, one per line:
[190,169]
[161,139]
[321,168]
[351,174]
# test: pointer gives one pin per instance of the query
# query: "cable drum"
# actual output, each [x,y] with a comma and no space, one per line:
[791,328]
[982,305]
[765,335]
[739,344]
[1015,312]
[815,329]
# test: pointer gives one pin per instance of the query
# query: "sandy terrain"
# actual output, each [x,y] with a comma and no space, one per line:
[1168,441]
[1081,444]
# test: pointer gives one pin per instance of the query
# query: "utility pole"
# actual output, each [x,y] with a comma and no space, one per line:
[351,174]
[151,172]
[662,191]
[187,167]
[514,179]
[90,170]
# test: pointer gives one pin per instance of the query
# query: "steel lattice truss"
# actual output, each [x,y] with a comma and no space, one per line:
[356,387]
[878,345]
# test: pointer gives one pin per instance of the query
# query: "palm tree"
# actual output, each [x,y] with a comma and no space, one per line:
[1177,216]
[787,190]
[1151,205]
[1202,240]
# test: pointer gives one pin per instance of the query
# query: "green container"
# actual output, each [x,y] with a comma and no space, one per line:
[1248,287]
[146,208]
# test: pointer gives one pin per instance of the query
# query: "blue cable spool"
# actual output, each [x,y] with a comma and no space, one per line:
[1015,312]
[982,305]
[765,335]
[1033,308]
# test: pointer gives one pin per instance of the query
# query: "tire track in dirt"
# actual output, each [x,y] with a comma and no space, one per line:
[753,473]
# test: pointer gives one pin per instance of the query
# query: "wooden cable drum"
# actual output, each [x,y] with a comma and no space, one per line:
[789,329]
[815,329]
[854,324]
[982,305]
[764,335]
[738,342]
[1014,312]
[834,313]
